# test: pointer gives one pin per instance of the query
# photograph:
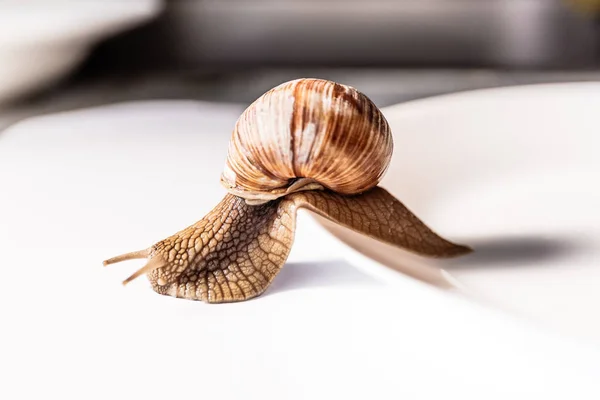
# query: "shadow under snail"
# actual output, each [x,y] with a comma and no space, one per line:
[307,143]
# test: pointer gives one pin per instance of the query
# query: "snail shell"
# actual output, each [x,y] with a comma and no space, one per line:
[307,134]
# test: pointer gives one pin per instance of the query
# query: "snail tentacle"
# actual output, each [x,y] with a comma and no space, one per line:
[127,256]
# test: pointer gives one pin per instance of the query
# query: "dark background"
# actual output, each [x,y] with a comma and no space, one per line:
[394,51]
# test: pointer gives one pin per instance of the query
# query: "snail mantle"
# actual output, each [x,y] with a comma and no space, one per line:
[307,143]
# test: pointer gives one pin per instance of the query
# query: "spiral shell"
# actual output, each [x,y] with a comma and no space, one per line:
[307,134]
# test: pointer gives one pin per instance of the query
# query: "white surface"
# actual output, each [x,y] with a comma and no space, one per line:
[41,41]
[513,172]
[82,186]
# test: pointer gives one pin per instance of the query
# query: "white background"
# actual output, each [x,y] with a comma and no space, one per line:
[79,187]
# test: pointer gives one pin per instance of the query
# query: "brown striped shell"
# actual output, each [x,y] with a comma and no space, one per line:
[307,134]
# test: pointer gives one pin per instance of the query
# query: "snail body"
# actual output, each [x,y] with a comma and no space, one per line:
[307,143]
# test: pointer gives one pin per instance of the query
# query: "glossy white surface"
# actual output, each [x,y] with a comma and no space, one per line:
[513,172]
[42,41]
[81,186]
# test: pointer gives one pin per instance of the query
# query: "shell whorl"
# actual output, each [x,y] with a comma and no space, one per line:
[330,134]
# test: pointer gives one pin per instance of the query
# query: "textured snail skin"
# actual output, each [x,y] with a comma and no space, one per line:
[235,252]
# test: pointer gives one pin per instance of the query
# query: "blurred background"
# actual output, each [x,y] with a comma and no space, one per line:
[514,178]
[62,54]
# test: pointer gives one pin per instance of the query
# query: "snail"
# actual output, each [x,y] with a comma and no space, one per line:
[307,143]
